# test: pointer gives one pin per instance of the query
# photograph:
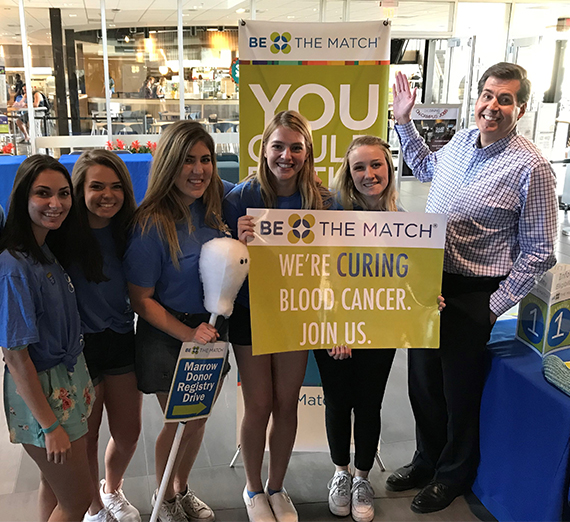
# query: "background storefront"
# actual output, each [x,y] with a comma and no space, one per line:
[190,51]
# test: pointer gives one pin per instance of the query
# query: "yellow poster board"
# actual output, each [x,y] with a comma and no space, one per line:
[325,278]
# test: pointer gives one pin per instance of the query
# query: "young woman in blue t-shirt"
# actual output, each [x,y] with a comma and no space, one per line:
[105,206]
[354,381]
[47,390]
[285,179]
[180,212]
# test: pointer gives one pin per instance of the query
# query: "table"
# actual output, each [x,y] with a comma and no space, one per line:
[138,166]
[8,166]
[524,472]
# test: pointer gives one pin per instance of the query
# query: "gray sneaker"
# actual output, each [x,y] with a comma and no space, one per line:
[169,511]
[195,509]
[339,493]
[362,500]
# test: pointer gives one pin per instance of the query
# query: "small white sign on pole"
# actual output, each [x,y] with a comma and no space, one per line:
[196,381]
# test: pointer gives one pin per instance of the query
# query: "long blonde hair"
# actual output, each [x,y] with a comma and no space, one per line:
[312,195]
[343,183]
[163,205]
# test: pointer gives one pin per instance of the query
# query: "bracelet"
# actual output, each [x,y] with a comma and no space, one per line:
[45,431]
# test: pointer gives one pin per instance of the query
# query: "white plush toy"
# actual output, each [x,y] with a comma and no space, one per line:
[224,264]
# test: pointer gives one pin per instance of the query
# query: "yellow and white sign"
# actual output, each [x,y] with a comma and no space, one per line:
[336,75]
[325,278]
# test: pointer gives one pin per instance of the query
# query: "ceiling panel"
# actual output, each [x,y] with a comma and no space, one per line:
[411,16]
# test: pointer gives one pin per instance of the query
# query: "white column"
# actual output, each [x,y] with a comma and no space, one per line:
[27,53]
[181,62]
[106,71]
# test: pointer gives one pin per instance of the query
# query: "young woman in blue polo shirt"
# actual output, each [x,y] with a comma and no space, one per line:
[47,390]
[105,206]
[285,179]
[180,212]
[354,381]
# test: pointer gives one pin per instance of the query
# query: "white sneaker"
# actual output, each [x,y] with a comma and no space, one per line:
[169,511]
[258,509]
[339,493]
[195,509]
[282,507]
[117,503]
[362,500]
[103,516]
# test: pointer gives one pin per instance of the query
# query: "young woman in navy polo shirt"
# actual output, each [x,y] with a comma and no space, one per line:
[354,381]
[285,179]
[180,212]
[48,394]
[105,207]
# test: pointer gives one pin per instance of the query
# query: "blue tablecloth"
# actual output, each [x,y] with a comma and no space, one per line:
[8,167]
[524,472]
[137,164]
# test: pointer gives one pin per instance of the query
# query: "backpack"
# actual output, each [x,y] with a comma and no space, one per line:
[46,102]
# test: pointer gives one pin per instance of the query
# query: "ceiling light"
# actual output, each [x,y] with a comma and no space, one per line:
[72,16]
[163,69]
[212,29]
[240,10]
[127,39]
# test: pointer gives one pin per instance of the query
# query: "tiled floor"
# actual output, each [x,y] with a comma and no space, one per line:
[221,486]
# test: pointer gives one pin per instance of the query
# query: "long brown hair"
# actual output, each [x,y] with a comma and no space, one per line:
[343,183]
[312,195]
[163,205]
[89,256]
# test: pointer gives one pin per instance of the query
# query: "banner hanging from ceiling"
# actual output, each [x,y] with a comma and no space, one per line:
[334,74]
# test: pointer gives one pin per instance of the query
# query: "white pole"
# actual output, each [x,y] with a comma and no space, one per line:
[106,71]
[28,71]
[252,9]
[167,470]
[346,11]
[322,9]
[181,62]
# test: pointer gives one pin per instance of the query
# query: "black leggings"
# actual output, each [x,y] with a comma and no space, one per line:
[356,384]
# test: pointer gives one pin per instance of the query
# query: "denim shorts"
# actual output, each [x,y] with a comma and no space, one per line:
[156,352]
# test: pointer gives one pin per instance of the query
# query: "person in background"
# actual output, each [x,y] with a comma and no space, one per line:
[105,206]
[160,89]
[48,394]
[498,193]
[146,89]
[22,102]
[18,85]
[285,179]
[179,213]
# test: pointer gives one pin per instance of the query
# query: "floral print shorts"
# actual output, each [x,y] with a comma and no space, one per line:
[70,395]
